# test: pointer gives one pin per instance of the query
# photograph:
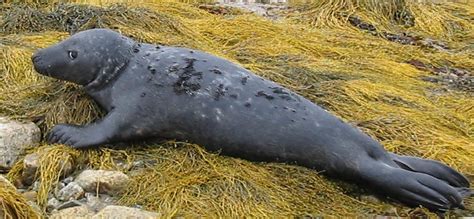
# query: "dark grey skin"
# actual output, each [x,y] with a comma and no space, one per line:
[154,91]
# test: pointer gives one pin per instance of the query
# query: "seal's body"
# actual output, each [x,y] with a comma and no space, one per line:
[177,93]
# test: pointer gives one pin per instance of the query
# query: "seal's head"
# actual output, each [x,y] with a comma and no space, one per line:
[87,57]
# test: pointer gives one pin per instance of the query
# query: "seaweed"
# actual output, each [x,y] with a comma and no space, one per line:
[362,78]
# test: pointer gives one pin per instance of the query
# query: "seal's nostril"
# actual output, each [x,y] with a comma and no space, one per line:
[34,58]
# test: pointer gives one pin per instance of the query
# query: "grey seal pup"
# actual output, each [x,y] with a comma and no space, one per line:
[152,91]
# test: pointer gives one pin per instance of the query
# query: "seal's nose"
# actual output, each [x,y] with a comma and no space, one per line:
[38,63]
[35,57]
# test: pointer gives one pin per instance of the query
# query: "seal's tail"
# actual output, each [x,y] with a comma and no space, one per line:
[433,168]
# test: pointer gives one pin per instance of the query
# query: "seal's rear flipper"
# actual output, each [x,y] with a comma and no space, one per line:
[433,168]
[465,192]
[412,188]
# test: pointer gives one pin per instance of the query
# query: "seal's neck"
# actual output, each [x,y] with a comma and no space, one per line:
[113,68]
[106,75]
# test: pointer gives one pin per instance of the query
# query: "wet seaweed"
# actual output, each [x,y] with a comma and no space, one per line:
[359,77]
[73,18]
[14,205]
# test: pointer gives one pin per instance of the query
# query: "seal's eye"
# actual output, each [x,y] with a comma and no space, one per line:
[72,54]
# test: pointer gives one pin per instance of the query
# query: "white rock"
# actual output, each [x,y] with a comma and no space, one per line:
[74,212]
[15,137]
[109,182]
[70,192]
[118,212]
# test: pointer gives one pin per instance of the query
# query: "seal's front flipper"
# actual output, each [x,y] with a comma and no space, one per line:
[76,136]
[431,167]
[89,135]
[412,188]
[114,127]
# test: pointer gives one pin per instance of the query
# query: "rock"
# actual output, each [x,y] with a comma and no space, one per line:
[60,185]
[5,182]
[427,42]
[36,208]
[15,137]
[109,182]
[30,196]
[36,185]
[140,164]
[94,202]
[357,22]
[31,163]
[53,203]
[69,204]
[369,198]
[70,192]
[73,212]
[67,166]
[99,202]
[217,9]
[114,211]
[68,180]
[22,190]
[30,166]
[269,11]
[402,38]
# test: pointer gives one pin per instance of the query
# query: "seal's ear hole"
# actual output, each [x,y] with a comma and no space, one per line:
[72,54]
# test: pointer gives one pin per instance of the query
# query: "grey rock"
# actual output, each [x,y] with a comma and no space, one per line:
[99,201]
[69,204]
[52,204]
[60,185]
[15,137]
[36,185]
[103,181]
[70,192]
[68,180]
